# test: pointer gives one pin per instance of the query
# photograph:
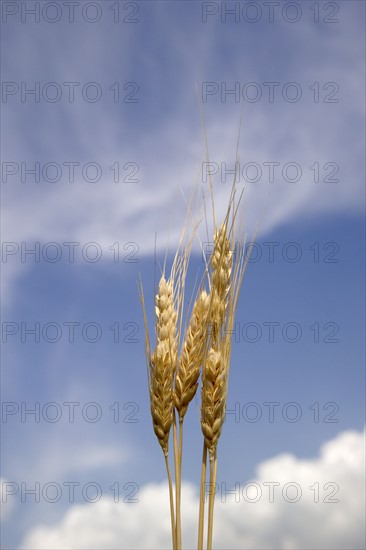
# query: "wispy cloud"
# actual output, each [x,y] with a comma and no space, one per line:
[167,145]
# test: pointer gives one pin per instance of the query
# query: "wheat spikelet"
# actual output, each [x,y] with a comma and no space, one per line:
[221,262]
[163,363]
[214,390]
[191,358]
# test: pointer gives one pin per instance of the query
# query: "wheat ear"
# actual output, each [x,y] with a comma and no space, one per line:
[162,367]
[163,363]
[192,354]
[214,375]
[213,399]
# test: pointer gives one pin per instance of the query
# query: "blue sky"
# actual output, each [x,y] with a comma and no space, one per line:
[162,59]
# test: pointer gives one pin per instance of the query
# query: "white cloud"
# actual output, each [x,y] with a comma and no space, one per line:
[277,525]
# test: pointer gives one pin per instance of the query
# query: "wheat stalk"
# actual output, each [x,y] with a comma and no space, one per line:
[162,365]
[173,380]
[186,380]
[215,369]
[163,362]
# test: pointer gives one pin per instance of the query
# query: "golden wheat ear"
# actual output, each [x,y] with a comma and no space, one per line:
[192,355]
[214,391]
[162,364]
